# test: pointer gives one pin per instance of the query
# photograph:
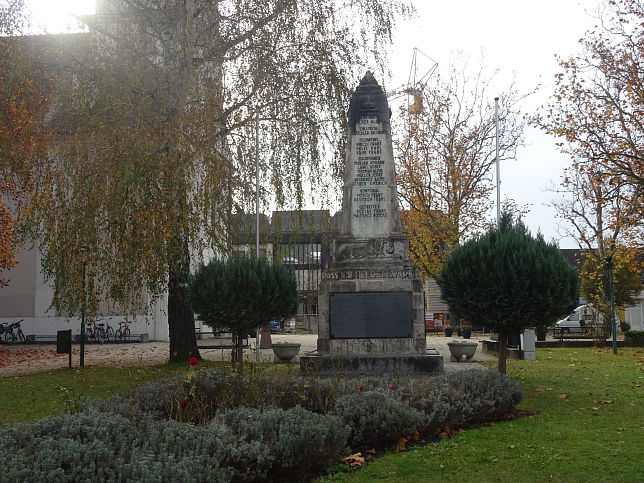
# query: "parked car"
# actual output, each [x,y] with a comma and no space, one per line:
[574,323]
[582,320]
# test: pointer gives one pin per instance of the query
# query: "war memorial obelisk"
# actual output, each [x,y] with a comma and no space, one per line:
[370,298]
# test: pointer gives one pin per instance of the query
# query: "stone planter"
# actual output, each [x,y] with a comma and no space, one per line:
[285,351]
[461,351]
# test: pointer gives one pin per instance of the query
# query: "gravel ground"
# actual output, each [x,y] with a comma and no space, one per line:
[19,359]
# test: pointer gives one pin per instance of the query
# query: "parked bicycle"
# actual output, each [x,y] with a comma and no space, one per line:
[99,332]
[12,332]
[109,332]
[123,332]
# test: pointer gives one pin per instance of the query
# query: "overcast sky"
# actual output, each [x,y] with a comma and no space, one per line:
[519,38]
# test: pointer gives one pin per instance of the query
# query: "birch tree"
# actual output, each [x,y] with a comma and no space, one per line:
[597,115]
[447,155]
[22,98]
[160,125]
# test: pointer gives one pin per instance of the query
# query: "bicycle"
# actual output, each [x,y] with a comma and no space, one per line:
[12,332]
[109,332]
[123,332]
[96,332]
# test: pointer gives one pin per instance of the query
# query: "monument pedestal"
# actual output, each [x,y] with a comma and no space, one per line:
[371,364]
[370,298]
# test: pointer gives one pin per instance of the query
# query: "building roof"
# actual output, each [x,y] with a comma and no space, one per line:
[301,221]
[242,228]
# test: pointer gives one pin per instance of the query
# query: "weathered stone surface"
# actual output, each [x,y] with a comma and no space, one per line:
[430,363]
[370,202]
[370,299]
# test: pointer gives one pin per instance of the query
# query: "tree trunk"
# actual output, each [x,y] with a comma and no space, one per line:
[238,364]
[503,352]
[239,353]
[181,320]
[265,333]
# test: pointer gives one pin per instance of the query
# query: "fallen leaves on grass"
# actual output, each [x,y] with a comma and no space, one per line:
[562,396]
[447,432]
[401,444]
[355,460]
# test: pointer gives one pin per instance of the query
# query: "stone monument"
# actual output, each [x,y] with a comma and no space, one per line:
[370,298]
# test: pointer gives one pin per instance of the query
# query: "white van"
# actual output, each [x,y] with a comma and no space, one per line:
[580,321]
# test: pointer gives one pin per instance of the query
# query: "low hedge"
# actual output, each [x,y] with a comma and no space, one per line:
[286,427]
[634,338]
[107,447]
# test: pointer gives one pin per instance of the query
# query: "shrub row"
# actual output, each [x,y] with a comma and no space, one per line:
[132,436]
[453,399]
[634,338]
[107,447]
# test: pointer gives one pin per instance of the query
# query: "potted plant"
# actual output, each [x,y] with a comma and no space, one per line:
[541,332]
[448,331]
[466,330]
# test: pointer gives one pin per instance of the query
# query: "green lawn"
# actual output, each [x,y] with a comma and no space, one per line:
[587,425]
[33,396]
[586,420]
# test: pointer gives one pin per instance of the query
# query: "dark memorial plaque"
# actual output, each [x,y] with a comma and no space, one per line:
[370,315]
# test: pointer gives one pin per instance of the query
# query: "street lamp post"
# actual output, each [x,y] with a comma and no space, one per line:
[258,330]
[83,250]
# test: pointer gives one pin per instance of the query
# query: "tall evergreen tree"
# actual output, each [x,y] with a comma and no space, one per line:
[509,280]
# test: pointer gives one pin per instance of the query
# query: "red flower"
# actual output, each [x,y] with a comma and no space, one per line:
[194,361]
[183,403]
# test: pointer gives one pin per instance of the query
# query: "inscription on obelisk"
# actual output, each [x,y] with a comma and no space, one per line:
[369,208]
[370,202]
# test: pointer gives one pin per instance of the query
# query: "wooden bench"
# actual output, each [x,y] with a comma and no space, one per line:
[218,339]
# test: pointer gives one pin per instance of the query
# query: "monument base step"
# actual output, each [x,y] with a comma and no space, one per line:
[368,364]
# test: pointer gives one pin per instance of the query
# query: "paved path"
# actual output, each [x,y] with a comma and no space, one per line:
[18,359]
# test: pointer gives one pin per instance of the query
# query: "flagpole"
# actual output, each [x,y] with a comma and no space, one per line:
[498,168]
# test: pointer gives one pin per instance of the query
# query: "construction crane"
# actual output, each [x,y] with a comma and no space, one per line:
[416,82]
